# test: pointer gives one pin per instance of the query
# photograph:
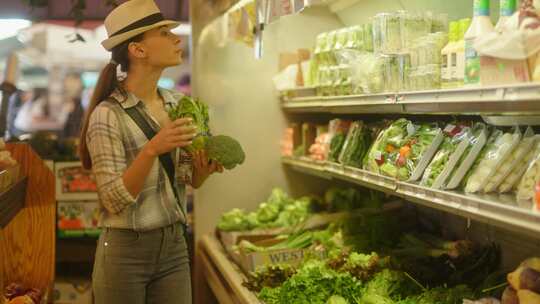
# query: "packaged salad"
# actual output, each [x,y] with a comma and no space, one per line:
[526,190]
[386,145]
[518,154]
[512,181]
[419,150]
[337,129]
[453,146]
[479,136]
[356,145]
[492,160]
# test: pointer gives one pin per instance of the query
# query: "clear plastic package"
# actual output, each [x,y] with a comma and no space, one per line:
[526,188]
[453,146]
[439,22]
[422,147]
[404,67]
[368,37]
[413,26]
[492,160]
[356,145]
[512,181]
[388,26]
[367,71]
[391,73]
[518,154]
[479,136]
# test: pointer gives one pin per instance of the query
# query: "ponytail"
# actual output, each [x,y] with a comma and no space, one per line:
[106,84]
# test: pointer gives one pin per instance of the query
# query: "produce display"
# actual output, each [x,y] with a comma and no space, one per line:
[223,149]
[421,269]
[278,211]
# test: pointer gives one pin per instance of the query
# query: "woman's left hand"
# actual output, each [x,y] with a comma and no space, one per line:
[204,167]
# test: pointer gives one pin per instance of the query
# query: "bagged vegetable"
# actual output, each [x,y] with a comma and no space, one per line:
[337,129]
[420,149]
[526,188]
[495,155]
[512,161]
[356,145]
[386,145]
[477,141]
[512,181]
[366,69]
[456,141]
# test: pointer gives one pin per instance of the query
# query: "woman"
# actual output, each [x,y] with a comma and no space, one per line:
[142,254]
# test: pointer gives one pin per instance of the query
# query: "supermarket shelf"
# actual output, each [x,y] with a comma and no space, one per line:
[12,201]
[500,210]
[223,276]
[507,100]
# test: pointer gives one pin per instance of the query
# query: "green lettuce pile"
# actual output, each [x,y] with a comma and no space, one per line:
[223,149]
[279,210]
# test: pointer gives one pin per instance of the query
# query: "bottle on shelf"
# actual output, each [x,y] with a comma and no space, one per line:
[507,9]
[446,53]
[480,25]
[458,56]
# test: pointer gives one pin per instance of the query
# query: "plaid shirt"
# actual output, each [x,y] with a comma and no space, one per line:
[114,140]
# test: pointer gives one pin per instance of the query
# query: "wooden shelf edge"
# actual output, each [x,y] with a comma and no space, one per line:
[12,201]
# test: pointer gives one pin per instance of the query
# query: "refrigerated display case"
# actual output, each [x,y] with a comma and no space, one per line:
[238,88]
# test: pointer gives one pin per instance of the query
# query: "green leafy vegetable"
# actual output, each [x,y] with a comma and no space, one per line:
[223,149]
[314,283]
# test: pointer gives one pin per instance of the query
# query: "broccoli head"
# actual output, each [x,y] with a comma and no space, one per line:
[225,150]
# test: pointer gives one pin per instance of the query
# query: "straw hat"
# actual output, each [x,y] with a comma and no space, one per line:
[132,18]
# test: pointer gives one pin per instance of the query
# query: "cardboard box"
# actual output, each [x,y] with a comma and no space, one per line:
[496,71]
[250,262]
[74,183]
[72,291]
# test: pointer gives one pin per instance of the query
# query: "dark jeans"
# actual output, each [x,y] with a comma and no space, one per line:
[142,267]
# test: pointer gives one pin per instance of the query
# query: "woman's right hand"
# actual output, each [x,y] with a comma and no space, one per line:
[176,134]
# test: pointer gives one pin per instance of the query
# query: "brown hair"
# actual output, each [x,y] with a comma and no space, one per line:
[106,84]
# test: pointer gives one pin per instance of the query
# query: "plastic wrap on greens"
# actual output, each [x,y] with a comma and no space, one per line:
[419,149]
[526,187]
[442,161]
[466,161]
[356,145]
[512,181]
[391,137]
[518,154]
[367,71]
[498,153]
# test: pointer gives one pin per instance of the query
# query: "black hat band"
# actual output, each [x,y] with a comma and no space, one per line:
[148,20]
